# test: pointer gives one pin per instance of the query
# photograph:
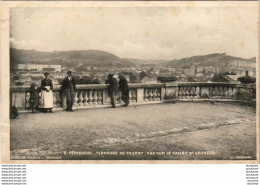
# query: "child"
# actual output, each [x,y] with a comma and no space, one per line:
[13,112]
[34,98]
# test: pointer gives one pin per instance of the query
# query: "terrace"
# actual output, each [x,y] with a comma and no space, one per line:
[174,121]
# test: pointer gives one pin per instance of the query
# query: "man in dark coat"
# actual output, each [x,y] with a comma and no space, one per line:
[123,87]
[112,88]
[69,88]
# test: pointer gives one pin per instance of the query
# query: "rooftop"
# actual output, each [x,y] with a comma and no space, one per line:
[223,130]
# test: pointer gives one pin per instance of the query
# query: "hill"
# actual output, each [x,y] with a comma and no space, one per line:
[212,60]
[139,61]
[92,58]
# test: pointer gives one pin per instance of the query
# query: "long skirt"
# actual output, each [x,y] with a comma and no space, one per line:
[46,99]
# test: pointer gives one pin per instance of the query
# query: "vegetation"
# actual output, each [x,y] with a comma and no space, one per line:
[247,79]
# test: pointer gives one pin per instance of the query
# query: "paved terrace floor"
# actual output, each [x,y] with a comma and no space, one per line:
[182,130]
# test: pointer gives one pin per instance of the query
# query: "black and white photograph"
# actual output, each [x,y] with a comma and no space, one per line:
[138,83]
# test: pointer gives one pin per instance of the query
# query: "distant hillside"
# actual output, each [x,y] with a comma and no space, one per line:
[139,61]
[68,58]
[213,60]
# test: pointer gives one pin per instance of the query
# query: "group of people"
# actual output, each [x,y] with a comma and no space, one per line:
[68,88]
[114,86]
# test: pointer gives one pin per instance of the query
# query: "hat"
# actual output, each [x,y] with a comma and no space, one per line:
[46,73]
[110,75]
[33,85]
[69,71]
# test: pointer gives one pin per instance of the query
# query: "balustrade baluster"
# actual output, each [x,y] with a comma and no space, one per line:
[95,102]
[211,92]
[189,91]
[27,100]
[153,94]
[225,92]
[221,91]
[158,94]
[134,95]
[81,98]
[86,98]
[192,92]
[180,93]
[100,97]
[197,92]
[234,90]
[215,92]
[150,95]
[75,102]
[90,98]
[229,93]
[184,92]
[145,95]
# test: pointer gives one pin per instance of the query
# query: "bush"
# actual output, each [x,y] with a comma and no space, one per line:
[247,79]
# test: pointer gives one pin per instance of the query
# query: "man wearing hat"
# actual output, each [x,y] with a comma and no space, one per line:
[46,93]
[123,87]
[69,88]
[112,88]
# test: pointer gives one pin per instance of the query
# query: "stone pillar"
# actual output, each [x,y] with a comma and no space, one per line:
[163,92]
[104,96]
[140,95]
[170,92]
[18,99]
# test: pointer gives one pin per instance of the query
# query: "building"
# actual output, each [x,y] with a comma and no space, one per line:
[38,67]
[148,80]
[228,78]
[189,71]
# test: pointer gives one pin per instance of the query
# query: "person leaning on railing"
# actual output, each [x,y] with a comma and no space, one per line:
[112,88]
[69,88]
[123,87]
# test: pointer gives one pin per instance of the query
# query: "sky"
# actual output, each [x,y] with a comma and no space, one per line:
[141,33]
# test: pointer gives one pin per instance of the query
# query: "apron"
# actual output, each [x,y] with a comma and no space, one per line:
[47,98]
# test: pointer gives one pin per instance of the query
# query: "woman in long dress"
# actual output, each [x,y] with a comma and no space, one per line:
[46,94]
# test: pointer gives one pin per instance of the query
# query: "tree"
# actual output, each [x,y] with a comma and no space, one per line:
[16,78]
[247,79]
[142,75]
[19,84]
[96,81]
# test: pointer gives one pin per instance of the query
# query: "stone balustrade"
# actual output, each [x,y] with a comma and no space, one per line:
[140,93]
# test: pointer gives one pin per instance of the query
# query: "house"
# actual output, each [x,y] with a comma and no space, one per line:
[229,78]
[198,75]
[148,80]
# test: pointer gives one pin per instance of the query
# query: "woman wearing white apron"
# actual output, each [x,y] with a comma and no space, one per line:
[46,94]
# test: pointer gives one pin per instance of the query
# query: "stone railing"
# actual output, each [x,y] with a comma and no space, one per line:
[97,95]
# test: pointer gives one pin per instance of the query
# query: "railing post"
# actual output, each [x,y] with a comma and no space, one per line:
[104,96]
[140,95]
[171,92]
[163,92]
